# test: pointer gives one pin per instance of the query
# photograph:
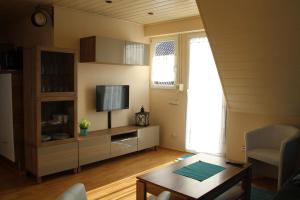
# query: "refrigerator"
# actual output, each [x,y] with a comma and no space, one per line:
[6,117]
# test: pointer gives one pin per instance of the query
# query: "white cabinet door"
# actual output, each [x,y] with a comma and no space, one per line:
[6,116]
[122,147]
[148,137]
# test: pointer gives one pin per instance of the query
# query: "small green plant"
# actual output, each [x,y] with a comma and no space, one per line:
[85,124]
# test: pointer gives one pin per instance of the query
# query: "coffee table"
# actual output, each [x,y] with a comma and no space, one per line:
[182,187]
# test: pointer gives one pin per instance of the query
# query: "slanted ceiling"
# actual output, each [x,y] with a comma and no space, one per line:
[256,45]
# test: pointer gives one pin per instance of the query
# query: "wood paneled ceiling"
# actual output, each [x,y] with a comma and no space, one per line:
[129,10]
[135,10]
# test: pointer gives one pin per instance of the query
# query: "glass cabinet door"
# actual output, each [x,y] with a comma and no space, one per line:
[57,72]
[57,120]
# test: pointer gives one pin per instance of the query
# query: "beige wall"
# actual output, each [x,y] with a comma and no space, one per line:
[70,25]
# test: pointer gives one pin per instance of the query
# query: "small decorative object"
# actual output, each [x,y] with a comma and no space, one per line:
[142,117]
[84,125]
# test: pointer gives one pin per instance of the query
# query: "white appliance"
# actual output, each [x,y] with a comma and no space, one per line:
[6,118]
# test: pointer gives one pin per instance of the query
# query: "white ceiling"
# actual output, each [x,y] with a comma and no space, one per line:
[129,10]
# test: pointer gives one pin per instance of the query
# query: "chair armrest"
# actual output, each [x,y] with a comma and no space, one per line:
[289,152]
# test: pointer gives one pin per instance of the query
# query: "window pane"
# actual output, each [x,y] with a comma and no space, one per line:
[163,63]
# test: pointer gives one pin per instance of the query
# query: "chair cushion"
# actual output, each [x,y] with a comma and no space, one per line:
[270,156]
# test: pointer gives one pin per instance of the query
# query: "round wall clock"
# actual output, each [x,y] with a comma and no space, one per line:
[39,18]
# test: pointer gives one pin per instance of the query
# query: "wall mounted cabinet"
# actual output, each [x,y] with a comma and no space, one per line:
[113,51]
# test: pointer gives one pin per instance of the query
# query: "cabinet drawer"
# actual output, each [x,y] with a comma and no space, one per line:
[121,147]
[94,149]
[57,158]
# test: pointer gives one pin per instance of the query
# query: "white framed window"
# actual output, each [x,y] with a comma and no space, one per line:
[164,53]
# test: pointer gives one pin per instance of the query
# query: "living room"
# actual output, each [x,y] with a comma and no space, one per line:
[258,91]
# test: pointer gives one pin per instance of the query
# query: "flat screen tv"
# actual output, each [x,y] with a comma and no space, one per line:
[112,97]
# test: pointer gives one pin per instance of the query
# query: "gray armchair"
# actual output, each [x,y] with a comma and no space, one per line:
[275,145]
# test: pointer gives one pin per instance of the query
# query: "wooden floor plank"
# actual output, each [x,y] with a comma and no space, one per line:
[111,179]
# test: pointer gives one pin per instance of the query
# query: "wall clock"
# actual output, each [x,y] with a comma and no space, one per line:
[39,18]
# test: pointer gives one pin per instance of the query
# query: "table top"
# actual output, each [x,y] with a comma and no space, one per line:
[164,177]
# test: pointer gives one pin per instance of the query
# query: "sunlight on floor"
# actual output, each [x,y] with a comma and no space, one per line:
[124,189]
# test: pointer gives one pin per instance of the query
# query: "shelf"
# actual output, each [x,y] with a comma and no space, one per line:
[111,132]
[57,94]
[54,125]
[56,142]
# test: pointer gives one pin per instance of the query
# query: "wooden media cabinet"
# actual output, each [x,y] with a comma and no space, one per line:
[109,143]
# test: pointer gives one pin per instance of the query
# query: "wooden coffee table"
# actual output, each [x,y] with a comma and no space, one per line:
[182,187]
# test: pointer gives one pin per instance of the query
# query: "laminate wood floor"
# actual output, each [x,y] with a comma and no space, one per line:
[111,179]
[107,180]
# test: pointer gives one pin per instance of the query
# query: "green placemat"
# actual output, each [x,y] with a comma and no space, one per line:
[199,170]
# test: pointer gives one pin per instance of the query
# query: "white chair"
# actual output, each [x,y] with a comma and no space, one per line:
[75,192]
[275,145]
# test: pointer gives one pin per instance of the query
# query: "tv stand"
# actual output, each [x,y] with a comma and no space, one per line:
[109,143]
[109,119]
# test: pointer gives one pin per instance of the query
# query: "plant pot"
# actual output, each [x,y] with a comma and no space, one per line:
[83,132]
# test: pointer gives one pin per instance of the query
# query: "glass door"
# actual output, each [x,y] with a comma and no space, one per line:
[205,107]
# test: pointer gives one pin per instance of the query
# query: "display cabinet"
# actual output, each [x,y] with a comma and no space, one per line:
[50,110]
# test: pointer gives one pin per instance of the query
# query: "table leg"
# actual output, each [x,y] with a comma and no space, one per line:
[140,190]
[246,184]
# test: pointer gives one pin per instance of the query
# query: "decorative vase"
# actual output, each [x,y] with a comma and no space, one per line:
[142,118]
[83,132]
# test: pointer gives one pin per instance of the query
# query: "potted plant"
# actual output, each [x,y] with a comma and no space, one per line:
[84,125]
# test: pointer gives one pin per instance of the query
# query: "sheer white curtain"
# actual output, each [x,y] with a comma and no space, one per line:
[205,109]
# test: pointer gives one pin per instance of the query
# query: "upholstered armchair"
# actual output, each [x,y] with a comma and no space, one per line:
[165,195]
[75,192]
[275,145]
